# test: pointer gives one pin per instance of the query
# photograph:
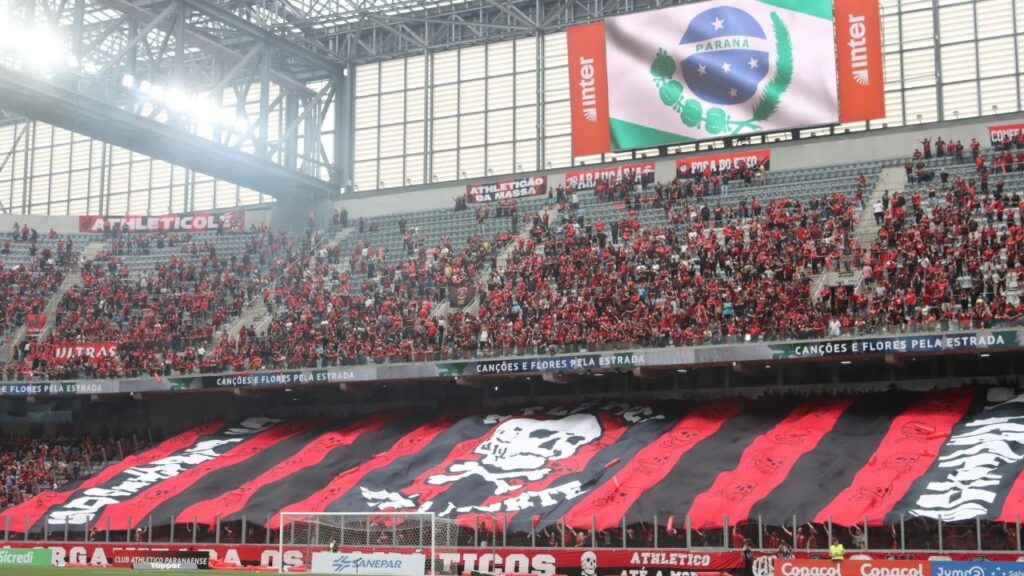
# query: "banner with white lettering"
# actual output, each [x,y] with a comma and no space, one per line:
[997,133]
[725,162]
[507,189]
[199,222]
[60,352]
[975,469]
[588,179]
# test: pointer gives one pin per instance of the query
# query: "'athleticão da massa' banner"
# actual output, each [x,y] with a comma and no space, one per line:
[686,167]
[722,68]
[507,189]
[168,223]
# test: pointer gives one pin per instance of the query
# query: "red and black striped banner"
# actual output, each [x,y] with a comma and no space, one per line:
[948,454]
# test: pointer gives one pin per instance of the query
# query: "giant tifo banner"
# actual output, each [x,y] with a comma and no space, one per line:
[507,189]
[723,68]
[198,222]
[542,561]
[687,166]
[947,454]
[588,179]
[996,133]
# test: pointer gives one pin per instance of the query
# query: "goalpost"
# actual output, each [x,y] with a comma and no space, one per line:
[401,533]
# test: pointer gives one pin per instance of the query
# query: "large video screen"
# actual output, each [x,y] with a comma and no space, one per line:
[716,69]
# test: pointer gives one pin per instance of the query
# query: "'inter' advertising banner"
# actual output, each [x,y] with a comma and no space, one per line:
[686,167]
[507,189]
[722,68]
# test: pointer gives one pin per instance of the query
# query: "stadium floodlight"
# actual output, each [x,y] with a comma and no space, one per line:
[40,47]
[128,81]
[157,93]
[175,99]
[145,87]
[240,125]
[90,68]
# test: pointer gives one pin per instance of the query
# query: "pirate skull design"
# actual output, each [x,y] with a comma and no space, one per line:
[523,450]
[588,564]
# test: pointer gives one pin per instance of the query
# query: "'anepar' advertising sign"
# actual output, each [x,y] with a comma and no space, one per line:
[507,189]
[588,179]
[687,166]
[198,222]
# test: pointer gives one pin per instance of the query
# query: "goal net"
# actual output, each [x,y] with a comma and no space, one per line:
[375,534]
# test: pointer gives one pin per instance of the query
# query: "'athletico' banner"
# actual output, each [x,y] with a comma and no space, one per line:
[996,133]
[588,179]
[687,166]
[718,68]
[507,189]
[168,223]
[945,454]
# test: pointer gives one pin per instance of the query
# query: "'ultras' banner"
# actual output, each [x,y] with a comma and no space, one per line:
[943,454]
[588,179]
[507,189]
[167,223]
[686,167]
[707,70]
[61,351]
[997,133]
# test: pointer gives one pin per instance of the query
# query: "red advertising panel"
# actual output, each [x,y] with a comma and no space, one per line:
[588,90]
[536,561]
[996,133]
[800,567]
[859,51]
[720,162]
[198,222]
[507,189]
[35,323]
[588,179]
[61,351]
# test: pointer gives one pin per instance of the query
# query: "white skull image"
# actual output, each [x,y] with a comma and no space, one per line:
[521,448]
[588,563]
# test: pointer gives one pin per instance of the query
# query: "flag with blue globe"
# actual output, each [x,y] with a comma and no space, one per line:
[727,56]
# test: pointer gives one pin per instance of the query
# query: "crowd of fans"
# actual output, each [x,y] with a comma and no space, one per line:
[672,267]
[947,255]
[30,464]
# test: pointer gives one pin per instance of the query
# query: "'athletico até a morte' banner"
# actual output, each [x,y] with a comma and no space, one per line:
[687,166]
[168,223]
[950,454]
[588,179]
[507,189]
[996,133]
